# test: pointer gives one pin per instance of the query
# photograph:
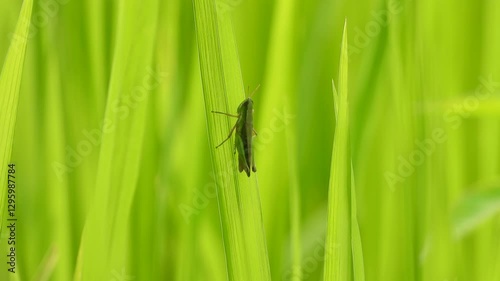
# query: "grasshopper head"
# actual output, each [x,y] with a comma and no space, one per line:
[245,105]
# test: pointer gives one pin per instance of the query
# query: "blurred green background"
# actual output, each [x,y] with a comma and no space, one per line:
[424,80]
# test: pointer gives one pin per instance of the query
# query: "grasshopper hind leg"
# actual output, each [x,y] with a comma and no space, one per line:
[228,137]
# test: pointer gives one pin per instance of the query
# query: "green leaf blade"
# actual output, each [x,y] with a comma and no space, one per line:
[10,83]
[343,251]
[133,79]
[474,210]
[216,98]
[338,262]
[250,204]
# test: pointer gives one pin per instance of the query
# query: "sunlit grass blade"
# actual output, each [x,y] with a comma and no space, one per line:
[474,210]
[105,238]
[335,100]
[487,135]
[295,205]
[338,252]
[10,81]
[250,205]
[223,161]
[47,266]
[277,100]
[366,106]
[54,143]
[357,249]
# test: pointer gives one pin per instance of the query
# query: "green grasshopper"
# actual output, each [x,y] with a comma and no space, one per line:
[244,134]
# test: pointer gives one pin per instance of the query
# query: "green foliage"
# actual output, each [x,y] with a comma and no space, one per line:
[389,183]
[474,210]
[10,82]
[132,81]
[239,202]
[343,251]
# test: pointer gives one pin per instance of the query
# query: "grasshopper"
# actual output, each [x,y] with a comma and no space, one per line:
[244,134]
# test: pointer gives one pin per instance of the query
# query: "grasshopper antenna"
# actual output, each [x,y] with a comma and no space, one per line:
[251,95]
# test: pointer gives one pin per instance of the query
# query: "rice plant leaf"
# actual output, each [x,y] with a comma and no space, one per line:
[54,143]
[105,237]
[250,204]
[279,96]
[338,251]
[10,82]
[344,163]
[357,248]
[474,210]
[216,98]
[335,99]
[295,200]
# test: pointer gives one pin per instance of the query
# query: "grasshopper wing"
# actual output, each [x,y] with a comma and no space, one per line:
[242,161]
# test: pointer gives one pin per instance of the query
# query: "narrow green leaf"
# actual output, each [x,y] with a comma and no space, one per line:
[10,81]
[474,210]
[335,100]
[250,205]
[239,200]
[215,94]
[338,250]
[47,266]
[53,142]
[295,200]
[357,248]
[105,238]
[278,98]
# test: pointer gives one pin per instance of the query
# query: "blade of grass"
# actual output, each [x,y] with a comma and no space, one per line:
[367,102]
[224,165]
[397,221]
[295,208]
[488,150]
[52,124]
[47,266]
[188,179]
[98,50]
[169,58]
[27,149]
[474,210]
[251,211]
[357,248]
[10,81]
[105,236]
[338,252]
[277,99]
